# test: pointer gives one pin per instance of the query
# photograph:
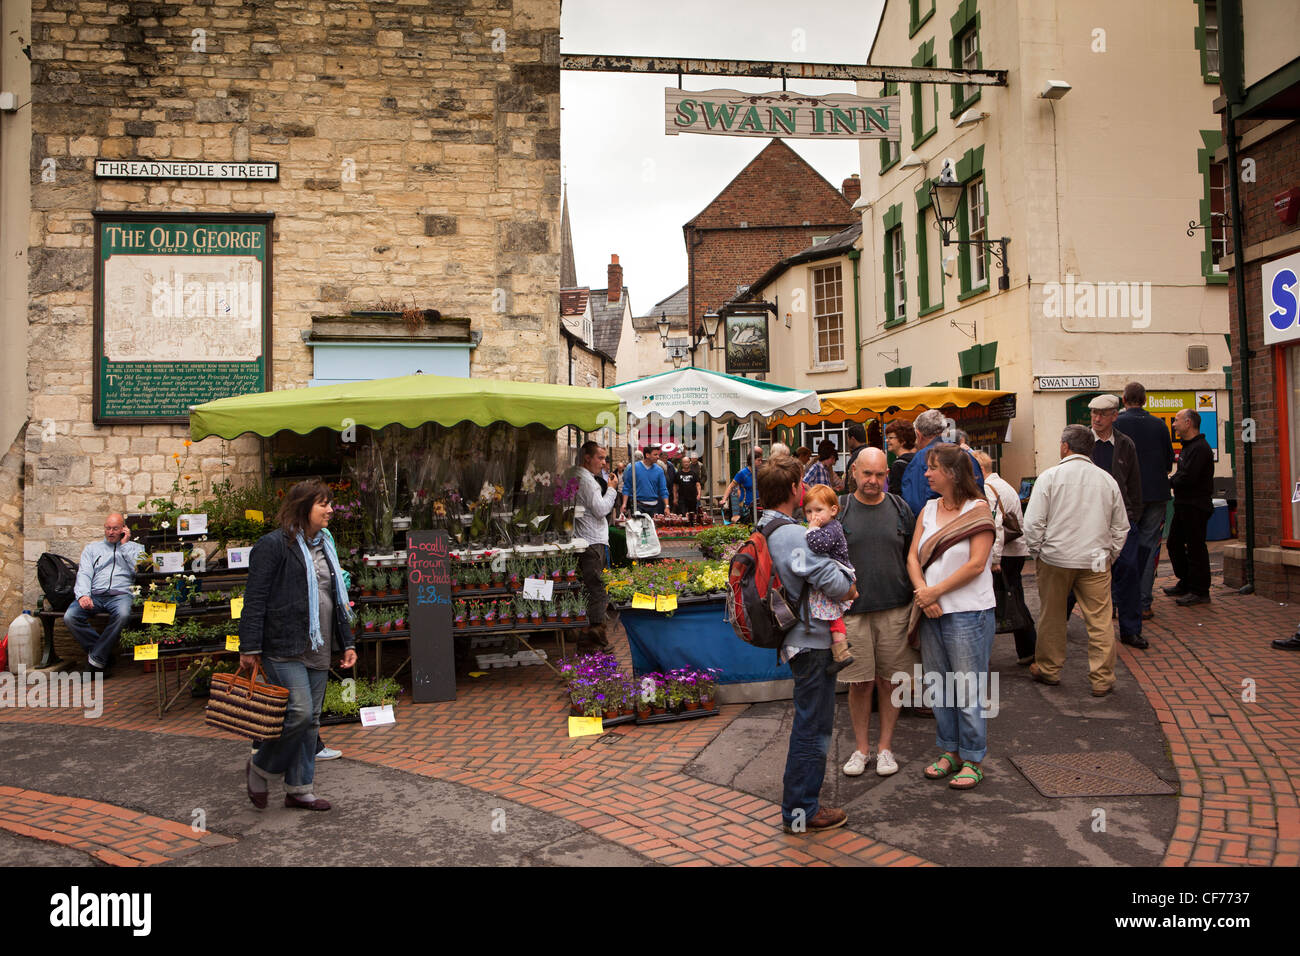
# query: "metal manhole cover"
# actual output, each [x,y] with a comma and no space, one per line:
[609,738]
[1113,773]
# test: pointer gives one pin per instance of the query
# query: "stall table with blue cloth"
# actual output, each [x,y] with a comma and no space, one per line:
[697,635]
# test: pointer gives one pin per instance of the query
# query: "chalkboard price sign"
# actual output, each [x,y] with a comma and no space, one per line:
[433,657]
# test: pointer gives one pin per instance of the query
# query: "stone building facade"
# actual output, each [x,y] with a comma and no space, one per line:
[418,152]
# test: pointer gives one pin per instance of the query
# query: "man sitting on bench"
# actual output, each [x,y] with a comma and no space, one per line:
[104,580]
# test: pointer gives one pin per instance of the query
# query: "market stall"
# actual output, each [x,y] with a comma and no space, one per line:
[698,635]
[467,486]
[985,414]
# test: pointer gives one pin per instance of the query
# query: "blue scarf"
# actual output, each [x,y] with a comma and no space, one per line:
[313,594]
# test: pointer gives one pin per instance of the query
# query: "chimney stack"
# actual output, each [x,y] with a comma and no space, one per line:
[615,280]
[853,188]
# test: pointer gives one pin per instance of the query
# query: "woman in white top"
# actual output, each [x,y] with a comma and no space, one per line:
[1009,550]
[949,567]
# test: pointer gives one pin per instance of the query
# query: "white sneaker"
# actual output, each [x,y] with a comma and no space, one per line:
[857,764]
[885,763]
[327,753]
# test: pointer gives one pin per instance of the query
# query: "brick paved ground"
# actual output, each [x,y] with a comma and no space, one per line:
[113,835]
[1238,761]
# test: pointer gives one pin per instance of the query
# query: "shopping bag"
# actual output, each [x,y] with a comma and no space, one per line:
[246,706]
[1012,615]
[642,538]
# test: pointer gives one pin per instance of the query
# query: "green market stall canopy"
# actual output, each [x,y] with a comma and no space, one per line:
[410,401]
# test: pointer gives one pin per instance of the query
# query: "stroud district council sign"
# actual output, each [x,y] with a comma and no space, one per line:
[179,169]
[782,114]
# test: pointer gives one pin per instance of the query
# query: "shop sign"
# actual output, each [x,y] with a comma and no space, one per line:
[1165,405]
[428,575]
[782,115]
[172,169]
[1280,280]
[747,343]
[182,312]
[1073,383]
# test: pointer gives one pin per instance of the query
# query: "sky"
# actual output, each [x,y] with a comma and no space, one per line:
[631,187]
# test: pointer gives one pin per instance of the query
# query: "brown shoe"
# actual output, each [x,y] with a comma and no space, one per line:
[825,818]
[1037,675]
[1148,614]
[1102,691]
[293,802]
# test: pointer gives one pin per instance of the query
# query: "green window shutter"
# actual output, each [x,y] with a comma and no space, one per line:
[968,360]
[1213,139]
[899,377]
[888,161]
[916,16]
[988,357]
[943,384]
[965,20]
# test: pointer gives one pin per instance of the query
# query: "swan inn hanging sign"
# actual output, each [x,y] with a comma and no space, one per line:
[782,114]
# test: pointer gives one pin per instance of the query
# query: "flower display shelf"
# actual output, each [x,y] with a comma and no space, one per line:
[332,720]
[616,721]
[358,598]
[577,544]
[516,627]
[472,593]
[377,634]
[671,716]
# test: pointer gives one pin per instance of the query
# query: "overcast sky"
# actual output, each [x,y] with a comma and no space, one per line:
[630,186]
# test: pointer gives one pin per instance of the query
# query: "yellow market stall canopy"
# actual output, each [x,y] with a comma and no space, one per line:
[410,401]
[863,403]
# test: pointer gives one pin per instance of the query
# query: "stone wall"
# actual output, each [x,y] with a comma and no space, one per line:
[11,533]
[419,161]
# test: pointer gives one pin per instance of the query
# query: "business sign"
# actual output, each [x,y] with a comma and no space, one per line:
[182,312]
[1072,383]
[176,169]
[1165,405]
[1281,285]
[747,343]
[782,115]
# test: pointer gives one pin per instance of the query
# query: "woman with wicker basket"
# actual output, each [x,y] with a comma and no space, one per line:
[296,613]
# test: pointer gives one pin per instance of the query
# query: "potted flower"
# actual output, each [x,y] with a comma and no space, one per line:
[707,681]
[535,613]
[552,613]
[564,608]
[496,571]
[506,612]
[579,609]
[490,614]
[385,621]
[570,567]
[513,569]
[396,580]
[475,613]
[369,619]
[557,572]
[399,618]
[457,580]
[458,621]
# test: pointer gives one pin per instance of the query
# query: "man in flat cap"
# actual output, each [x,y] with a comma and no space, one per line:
[1115,452]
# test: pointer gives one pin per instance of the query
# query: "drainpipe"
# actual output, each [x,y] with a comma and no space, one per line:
[854,256]
[1243,335]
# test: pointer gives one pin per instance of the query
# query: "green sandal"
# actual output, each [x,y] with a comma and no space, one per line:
[935,772]
[969,772]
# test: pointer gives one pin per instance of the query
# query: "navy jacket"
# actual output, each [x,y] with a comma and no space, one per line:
[274,620]
[1154,448]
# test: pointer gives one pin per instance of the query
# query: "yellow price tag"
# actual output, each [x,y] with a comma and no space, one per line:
[643,602]
[586,726]
[146,652]
[232,642]
[236,608]
[666,602]
[253,515]
[158,612]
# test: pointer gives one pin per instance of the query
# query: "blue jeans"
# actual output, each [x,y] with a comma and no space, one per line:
[958,644]
[293,754]
[810,737]
[1151,527]
[98,647]
[1126,583]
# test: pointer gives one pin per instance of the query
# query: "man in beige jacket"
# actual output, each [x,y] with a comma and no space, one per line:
[1075,528]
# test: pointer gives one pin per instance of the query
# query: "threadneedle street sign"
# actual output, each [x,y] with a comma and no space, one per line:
[782,115]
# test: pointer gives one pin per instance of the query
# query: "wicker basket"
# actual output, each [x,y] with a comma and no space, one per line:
[246,706]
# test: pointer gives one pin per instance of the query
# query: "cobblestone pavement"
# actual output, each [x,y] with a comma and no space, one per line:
[1225,701]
